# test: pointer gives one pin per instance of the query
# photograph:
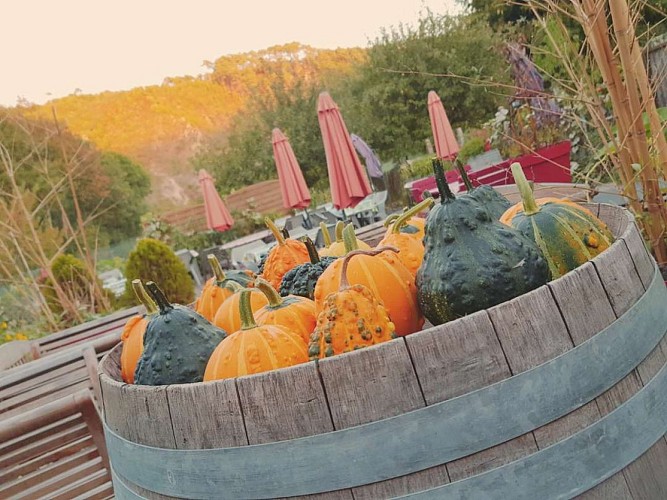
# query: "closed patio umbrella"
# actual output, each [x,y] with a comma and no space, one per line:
[292,184]
[348,181]
[218,217]
[446,146]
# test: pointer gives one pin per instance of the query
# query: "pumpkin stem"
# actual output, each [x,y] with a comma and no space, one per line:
[277,234]
[325,234]
[312,251]
[529,205]
[245,310]
[344,283]
[391,219]
[340,225]
[464,175]
[144,298]
[446,194]
[403,219]
[350,239]
[275,300]
[158,296]
[217,268]
[233,286]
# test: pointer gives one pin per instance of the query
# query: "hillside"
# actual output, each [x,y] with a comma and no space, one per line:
[162,126]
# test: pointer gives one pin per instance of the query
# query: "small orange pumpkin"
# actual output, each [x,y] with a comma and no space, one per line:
[214,292]
[386,277]
[287,254]
[227,316]
[132,336]
[351,318]
[338,248]
[296,314]
[411,248]
[254,349]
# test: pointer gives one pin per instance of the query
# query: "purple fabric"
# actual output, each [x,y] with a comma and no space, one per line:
[372,162]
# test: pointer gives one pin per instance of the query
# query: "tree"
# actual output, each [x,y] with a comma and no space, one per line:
[455,56]
[125,204]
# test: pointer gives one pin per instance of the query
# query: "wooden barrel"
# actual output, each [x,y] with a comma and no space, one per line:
[558,393]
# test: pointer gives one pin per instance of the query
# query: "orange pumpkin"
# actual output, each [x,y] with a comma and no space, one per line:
[386,277]
[254,349]
[227,317]
[352,318]
[411,248]
[287,254]
[416,226]
[339,248]
[132,336]
[215,292]
[296,314]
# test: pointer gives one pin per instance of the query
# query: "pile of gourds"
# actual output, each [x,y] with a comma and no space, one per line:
[471,252]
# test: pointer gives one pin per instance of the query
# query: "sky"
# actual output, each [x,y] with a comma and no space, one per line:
[52,48]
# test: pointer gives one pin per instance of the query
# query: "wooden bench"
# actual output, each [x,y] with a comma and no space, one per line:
[42,381]
[56,451]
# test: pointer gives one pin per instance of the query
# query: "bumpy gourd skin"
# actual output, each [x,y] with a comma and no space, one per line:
[472,263]
[351,319]
[302,279]
[494,202]
[177,345]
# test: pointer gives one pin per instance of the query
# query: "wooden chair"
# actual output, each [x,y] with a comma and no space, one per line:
[56,451]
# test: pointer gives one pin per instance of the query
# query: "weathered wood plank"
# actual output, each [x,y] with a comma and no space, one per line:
[206,415]
[614,217]
[457,358]
[619,277]
[282,405]
[530,329]
[370,384]
[644,263]
[136,412]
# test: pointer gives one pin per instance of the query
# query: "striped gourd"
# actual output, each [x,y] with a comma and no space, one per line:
[568,235]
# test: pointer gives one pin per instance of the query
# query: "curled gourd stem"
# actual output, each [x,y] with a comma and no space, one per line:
[403,219]
[144,298]
[390,219]
[350,239]
[245,310]
[325,234]
[277,234]
[217,268]
[340,225]
[158,296]
[529,205]
[265,287]
[312,251]
[344,283]
[464,175]
[446,194]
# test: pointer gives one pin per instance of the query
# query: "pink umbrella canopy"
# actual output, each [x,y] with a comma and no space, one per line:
[218,217]
[292,184]
[347,177]
[446,146]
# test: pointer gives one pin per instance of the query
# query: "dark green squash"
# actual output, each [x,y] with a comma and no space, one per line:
[302,279]
[567,234]
[470,261]
[177,344]
[494,202]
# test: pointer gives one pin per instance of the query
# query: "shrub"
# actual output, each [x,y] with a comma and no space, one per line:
[473,146]
[77,283]
[153,260]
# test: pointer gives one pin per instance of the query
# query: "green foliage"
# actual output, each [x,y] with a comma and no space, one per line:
[128,188]
[472,147]
[455,56]
[153,260]
[76,282]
